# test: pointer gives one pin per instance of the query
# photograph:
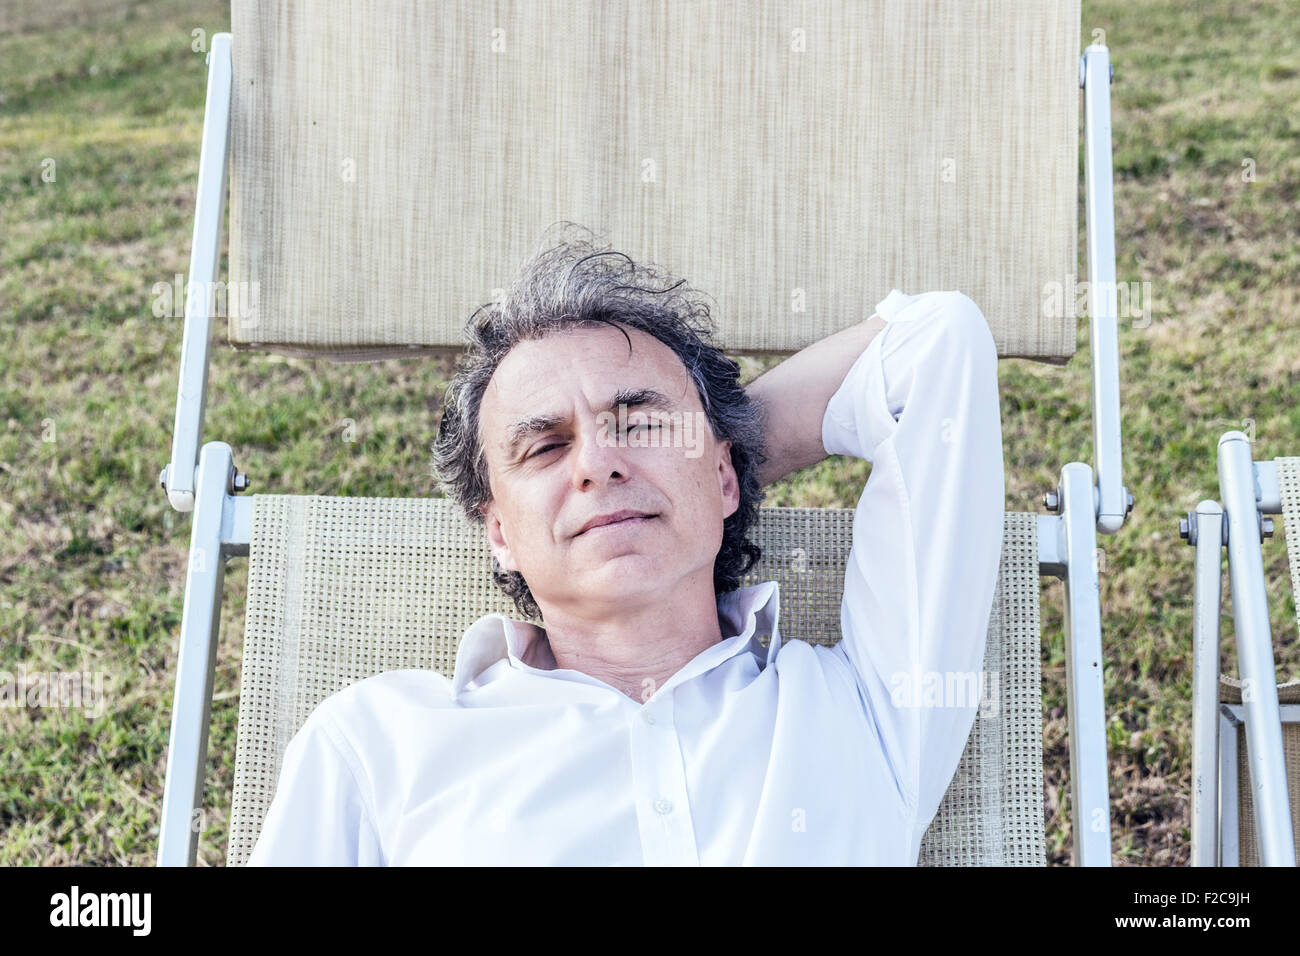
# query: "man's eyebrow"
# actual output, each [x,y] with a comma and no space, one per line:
[525,428]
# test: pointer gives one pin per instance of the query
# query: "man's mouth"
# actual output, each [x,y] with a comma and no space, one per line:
[619,519]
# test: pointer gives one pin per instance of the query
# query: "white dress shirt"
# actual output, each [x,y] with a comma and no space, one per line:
[790,754]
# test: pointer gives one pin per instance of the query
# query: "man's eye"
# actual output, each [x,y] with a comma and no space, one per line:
[544,449]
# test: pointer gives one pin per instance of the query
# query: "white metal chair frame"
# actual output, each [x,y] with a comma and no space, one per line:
[205,480]
[1250,491]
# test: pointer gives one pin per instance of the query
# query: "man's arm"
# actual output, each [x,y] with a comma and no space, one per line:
[922,405]
[795,393]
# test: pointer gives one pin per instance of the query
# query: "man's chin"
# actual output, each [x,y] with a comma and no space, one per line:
[618,577]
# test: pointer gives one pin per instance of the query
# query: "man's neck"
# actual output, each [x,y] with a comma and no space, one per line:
[637,648]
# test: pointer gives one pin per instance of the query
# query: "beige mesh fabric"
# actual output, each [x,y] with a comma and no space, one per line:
[1288,480]
[1247,826]
[992,814]
[393,163]
[340,589]
[1288,476]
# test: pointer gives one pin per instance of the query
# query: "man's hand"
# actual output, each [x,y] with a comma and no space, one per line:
[794,396]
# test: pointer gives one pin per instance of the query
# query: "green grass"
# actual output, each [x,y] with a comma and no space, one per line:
[92,560]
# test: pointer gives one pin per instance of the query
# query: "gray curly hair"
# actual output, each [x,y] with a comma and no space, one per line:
[573,284]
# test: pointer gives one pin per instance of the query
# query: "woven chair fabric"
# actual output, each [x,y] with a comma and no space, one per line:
[340,589]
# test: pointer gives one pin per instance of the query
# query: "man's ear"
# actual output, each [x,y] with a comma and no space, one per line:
[497,538]
[728,481]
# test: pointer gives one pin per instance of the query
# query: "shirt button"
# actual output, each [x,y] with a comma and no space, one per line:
[663,806]
[648,717]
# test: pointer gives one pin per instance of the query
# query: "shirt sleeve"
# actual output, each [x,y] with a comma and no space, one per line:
[922,404]
[319,816]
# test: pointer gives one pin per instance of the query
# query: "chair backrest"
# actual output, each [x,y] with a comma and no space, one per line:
[340,589]
[394,162]
[1288,692]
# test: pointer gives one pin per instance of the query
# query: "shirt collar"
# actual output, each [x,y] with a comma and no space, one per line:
[743,615]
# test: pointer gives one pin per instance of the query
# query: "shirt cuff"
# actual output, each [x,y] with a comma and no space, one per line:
[858,417]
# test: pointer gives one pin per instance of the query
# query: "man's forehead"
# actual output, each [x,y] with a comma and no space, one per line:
[556,366]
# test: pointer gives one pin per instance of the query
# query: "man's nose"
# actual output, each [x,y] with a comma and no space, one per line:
[599,456]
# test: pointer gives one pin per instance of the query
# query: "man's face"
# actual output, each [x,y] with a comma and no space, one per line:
[572,463]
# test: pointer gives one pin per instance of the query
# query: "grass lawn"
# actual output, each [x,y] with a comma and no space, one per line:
[107,99]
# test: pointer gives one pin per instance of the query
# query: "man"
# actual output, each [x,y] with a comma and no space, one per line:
[638,718]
